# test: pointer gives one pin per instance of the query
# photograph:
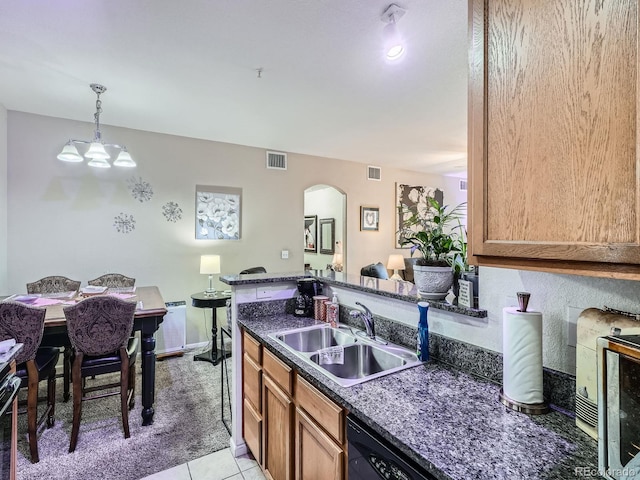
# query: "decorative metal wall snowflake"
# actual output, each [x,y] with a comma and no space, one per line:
[124,223]
[140,190]
[171,211]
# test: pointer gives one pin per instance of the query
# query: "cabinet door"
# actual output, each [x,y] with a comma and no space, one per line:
[252,430]
[277,416]
[252,382]
[318,457]
[553,160]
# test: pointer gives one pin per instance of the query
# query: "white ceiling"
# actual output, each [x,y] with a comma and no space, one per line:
[190,68]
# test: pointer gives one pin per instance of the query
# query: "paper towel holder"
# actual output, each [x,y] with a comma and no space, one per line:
[528,408]
[523,301]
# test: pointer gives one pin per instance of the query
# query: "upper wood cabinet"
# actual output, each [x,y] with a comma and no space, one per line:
[553,134]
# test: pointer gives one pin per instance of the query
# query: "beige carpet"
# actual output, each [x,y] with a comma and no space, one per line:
[186,426]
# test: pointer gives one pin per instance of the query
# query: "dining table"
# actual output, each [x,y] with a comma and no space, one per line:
[149,314]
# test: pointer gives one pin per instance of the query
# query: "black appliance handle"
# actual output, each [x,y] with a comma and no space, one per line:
[9,390]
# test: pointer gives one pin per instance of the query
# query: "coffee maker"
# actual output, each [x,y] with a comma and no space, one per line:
[307,289]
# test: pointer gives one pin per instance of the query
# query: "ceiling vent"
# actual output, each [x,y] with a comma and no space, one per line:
[463,185]
[277,160]
[374,173]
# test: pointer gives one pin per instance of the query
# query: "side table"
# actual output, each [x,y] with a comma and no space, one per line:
[212,301]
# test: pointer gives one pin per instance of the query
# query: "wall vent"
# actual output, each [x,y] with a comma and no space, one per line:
[463,185]
[374,173]
[277,160]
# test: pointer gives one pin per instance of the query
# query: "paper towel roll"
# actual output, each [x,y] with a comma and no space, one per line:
[522,355]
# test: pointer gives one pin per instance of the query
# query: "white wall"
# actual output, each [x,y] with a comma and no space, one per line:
[61,215]
[3,201]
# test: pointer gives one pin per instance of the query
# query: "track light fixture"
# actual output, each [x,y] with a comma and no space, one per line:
[96,154]
[393,44]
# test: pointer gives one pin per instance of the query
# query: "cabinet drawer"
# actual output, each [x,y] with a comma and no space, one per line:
[278,371]
[252,430]
[323,410]
[252,348]
[252,382]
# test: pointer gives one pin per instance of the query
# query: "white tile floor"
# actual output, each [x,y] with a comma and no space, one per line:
[219,465]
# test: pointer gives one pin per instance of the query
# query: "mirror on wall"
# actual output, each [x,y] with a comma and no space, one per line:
[328,205]
[327,235]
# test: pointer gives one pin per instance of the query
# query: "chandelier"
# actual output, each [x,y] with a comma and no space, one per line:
[96,153]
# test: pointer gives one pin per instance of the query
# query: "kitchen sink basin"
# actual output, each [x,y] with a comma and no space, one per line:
[314,339]
[359,361]
[346,358]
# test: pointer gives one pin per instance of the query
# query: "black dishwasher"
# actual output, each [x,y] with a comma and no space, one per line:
[372,457]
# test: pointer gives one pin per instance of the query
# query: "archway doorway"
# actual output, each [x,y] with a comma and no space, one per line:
[325,209]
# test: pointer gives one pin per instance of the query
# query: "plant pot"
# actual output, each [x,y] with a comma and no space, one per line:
[432,280]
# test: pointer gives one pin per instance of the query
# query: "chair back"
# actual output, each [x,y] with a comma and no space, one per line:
[113,280]
[99,325]
[24,323]
[53,284]
[254,270]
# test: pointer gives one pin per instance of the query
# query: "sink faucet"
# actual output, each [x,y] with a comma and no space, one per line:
[367,318]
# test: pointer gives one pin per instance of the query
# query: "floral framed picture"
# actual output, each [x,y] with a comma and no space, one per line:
[369,218]
[412,200]
[218,213]
[311,233]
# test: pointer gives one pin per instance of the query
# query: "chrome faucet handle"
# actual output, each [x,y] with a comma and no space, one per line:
[368,312]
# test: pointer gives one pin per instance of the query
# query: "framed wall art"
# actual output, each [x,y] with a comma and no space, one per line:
[310,233]
[412,200]
[369,218]
[218,213]
[327,235]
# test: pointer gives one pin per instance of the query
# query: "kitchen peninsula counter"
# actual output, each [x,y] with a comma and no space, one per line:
[447,421]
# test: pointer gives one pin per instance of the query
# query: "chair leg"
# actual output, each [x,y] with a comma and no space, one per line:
[66,372]
[51,399]
[124,389]
[32,410]
[77,400]
[132,386]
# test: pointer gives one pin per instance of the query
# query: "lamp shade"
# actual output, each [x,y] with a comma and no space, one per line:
[395,262]
[70,153]
[210,264]
[124,159]
[393,46]
[337,259]
[99,163]
[96,151]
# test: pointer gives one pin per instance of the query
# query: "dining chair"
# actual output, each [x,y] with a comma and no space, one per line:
[25,324]
[58,284]
[113,280]
[53,284]
[100,332]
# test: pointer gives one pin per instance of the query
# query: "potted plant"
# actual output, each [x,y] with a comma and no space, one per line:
[434,232]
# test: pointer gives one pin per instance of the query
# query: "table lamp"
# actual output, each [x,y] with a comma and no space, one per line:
[395,263]
[336,262]
[209,265]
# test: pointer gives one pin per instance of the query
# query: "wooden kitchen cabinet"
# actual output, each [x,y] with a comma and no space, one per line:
[277,415]
[320,435]
[553,133]
[292,429]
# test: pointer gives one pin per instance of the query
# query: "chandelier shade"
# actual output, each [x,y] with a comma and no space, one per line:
[70,153]
[96,153]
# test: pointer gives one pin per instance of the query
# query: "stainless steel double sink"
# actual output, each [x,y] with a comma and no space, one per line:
[346,358]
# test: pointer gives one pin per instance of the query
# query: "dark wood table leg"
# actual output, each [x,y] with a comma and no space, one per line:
[148,369]
[214,355]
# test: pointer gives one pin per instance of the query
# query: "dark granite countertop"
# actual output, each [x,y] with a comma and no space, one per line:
[405,291]
[449,422]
